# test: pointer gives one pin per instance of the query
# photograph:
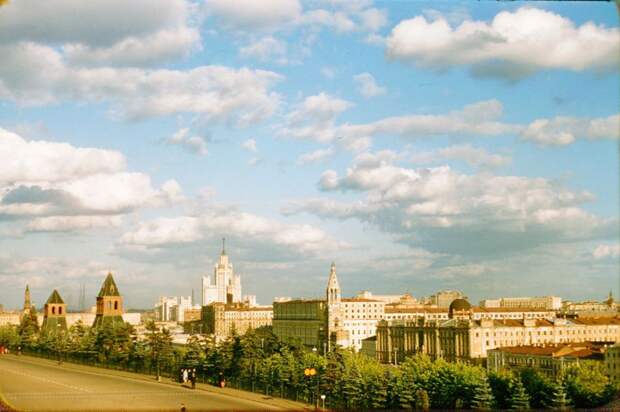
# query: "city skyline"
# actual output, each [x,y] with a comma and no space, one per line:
[306,133]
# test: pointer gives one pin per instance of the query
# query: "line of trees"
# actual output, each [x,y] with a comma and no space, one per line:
[259,361]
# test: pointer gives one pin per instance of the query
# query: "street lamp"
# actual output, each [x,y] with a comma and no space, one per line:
[310,372]
[323,400]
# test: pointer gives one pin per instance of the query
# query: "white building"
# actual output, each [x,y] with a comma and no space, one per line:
[172,308]
[538,302]
[225,286]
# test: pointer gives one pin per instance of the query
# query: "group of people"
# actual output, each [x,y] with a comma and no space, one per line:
[188,375]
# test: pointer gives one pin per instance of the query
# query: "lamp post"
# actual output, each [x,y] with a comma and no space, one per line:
[310,372]
[323,400]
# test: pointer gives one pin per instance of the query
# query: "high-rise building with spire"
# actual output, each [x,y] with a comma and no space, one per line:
[109,304]
[225,286]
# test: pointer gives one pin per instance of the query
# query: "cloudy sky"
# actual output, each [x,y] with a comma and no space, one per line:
[420,145]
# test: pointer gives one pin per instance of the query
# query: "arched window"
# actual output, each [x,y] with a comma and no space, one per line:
[115,304]
[53,310]
[60,310]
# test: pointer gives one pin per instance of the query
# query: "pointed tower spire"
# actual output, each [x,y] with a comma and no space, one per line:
[223,246]
[27,303]
[333,287]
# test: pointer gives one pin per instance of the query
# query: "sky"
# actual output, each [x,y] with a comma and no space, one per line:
[418,145]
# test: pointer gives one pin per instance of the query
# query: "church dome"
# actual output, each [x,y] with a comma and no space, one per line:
[458,305]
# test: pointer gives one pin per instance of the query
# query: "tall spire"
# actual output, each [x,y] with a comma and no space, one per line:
[27,303]
[333,287]
[223,246]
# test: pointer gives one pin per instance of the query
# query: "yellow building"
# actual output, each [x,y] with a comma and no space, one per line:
[222,319]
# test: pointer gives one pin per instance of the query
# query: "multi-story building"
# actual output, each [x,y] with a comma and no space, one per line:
[463,338]
[551,303]
[591,308]
[222,319]
[301,321]
[612,362]
[172,309]
[224,286]
[405,299]
[551,360]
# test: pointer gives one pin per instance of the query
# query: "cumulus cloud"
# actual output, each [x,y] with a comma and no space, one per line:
[511,46]
[62,187]
[564,130]
[476,157]
[247,229]
[195,144]
[32,74]
[100,31]
[606,251]
[316,156]
[450,212]
[367,85]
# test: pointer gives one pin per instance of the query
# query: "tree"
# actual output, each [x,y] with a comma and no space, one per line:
[500,383]
[483,397]
[160,345]
[519,399]
[587,385]
[538,387]
[559,399]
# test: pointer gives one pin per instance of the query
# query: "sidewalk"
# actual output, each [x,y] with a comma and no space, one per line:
[235,393]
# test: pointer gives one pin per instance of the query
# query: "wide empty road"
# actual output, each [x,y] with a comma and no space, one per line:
[32,384]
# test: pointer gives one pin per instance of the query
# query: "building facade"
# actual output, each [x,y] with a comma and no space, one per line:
[462,338]
[612,362]
[173,308]
[224,286]
[551,360]
[222,320]
[550,303]
[301,321]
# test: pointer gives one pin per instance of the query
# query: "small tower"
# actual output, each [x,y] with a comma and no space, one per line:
[27,303]
[54,319]
[333,287]
[109,304]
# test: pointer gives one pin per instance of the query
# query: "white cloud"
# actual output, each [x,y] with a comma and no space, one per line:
[513,45]
[474,156]
[63,187]
[606,251]
[328,72]
[252,15]
[33,74]
[450,212]
[42,161]
[264,49]
[367,85]
[246,228]
[101,31]
[314,117]
[195,144]
[316,156]
[563,130]
[249,145]
[72,223]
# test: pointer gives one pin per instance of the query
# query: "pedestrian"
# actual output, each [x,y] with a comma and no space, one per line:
[185,375]
[193,378]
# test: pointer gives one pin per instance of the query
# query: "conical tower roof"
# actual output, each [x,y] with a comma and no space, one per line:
[55,298]
[109,287]
[332,283]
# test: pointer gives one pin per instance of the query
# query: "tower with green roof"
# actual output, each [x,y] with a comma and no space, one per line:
[54,319]
[109,304]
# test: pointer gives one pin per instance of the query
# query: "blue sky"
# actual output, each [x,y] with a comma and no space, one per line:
[419,145]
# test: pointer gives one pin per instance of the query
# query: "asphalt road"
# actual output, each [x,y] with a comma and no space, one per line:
[32,384]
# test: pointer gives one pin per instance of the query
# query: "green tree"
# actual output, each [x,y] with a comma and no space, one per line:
[500,383]
[519,399]
[159,346]
[422,400]
[559,398]
[538,387]
[587,385]
[483,397]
